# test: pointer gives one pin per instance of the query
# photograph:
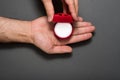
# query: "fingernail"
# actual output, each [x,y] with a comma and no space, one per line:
[76,17]
[68,50]
[80,19]
[50,19]
[89,23]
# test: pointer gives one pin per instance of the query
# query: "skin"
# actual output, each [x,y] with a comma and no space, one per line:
[39,32]
[69,6]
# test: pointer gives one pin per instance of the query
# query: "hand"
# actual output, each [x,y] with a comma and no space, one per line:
[43,36]
[69,6]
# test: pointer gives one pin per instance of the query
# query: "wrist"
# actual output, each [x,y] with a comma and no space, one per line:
[25,34]
[15,30]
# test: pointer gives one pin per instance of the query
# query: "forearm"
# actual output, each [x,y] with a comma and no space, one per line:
[12,30]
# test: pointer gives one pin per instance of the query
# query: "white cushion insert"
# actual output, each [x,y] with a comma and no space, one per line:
[63,30]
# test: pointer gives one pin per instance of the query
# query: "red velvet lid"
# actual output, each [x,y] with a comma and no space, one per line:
[62,17]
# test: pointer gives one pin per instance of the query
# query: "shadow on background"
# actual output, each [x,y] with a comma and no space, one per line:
[8,46]
[81,44]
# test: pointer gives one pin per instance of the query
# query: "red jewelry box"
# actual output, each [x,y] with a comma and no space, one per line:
[62,17]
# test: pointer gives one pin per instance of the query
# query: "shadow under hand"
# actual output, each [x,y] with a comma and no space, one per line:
[61,56]
[81,44]
[40,53]
[8,46]
[51,56]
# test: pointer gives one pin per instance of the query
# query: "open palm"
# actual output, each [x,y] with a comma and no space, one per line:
[43,36]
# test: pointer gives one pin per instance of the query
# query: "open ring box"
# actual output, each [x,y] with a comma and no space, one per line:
[63,25]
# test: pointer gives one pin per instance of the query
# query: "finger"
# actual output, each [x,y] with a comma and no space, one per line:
[82,24]
[80,19]
[61,49]
[79,38]
[49,9]
[76,6]
[71,7]
[83,30]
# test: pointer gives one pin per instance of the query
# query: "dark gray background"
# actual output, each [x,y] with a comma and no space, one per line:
[96,59]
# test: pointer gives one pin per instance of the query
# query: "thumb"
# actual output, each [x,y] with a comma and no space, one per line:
[61,49]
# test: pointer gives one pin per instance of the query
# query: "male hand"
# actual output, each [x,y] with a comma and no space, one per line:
[44,38]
